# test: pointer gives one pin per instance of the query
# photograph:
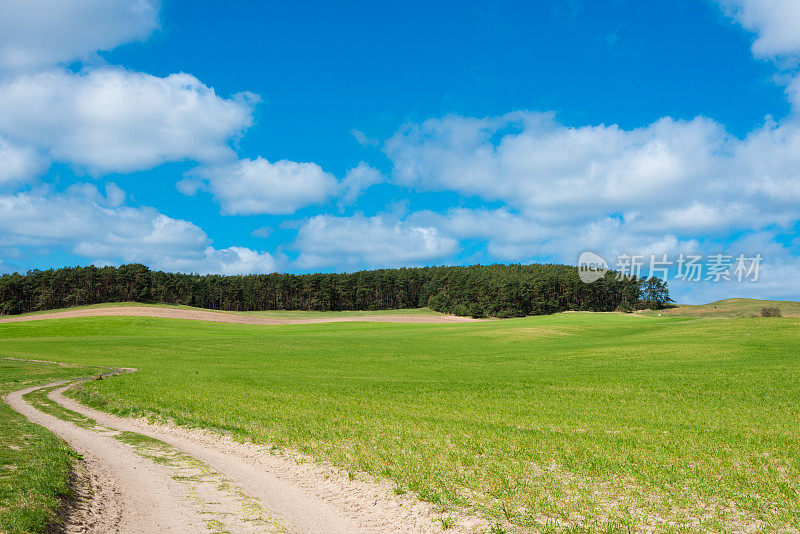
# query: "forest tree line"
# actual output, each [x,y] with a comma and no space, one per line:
[476,290]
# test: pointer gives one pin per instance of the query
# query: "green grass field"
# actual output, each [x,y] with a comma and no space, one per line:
[575,422]
[35,466]
[729,308]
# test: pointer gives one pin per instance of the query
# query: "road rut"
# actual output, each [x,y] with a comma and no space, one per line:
[138,476]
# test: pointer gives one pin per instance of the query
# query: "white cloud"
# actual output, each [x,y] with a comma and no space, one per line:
[86,223]
[350,242]
[777,277]
[776,23]
[520,238]
[226,261]
[357,180]
[516,238]
[257,186]
[542,165]
[688,177]
[668,188]
[362,138]
[263,232]
[83,218]
[766,170]
[36,34]
[251,187]
[114,120]
[20,164]
[793,93]
[115,196]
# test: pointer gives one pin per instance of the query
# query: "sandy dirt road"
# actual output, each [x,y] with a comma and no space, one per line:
[221,317]
[139,477]
[119,491]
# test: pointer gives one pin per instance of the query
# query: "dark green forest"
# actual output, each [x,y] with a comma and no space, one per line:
[476,290]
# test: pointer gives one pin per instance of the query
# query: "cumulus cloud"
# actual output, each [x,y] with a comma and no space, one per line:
[114,120]
[793,93]
[544,166]
[364,140]
[767,166]
[671,187]
[256,186]
[252,187]
[20,164]
[87,223]
[357,180]
[226,261]
[777,275]
[682,176]
[36,34]
[514,237]
[263,232]
[519,238]
[350,242]
[667,187]
[775,22]
[84,217]
[115,196]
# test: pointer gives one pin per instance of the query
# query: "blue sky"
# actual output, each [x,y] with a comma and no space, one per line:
[316,136]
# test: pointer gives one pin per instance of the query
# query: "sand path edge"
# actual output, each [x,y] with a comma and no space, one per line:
[130,494]
[118,490]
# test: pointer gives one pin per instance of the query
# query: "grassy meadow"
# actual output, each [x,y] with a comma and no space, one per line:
[575,422]
[729,308]
[35,466]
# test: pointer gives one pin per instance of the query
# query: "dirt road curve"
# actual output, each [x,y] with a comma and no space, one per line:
[120,491]
[138,477]
[204,315]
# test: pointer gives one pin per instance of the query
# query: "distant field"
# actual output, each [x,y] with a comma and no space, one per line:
[730,308]
[283,314]
[572,422]
[35,466]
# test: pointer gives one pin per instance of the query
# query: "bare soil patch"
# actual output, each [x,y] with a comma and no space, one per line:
[220,317]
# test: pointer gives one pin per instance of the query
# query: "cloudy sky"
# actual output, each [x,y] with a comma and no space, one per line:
[253,137]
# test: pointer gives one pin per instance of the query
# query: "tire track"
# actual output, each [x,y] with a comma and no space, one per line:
[138,476]
[119,491]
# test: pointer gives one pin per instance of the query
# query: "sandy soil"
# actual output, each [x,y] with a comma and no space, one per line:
[205,315]
[119,490]
[219,484]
